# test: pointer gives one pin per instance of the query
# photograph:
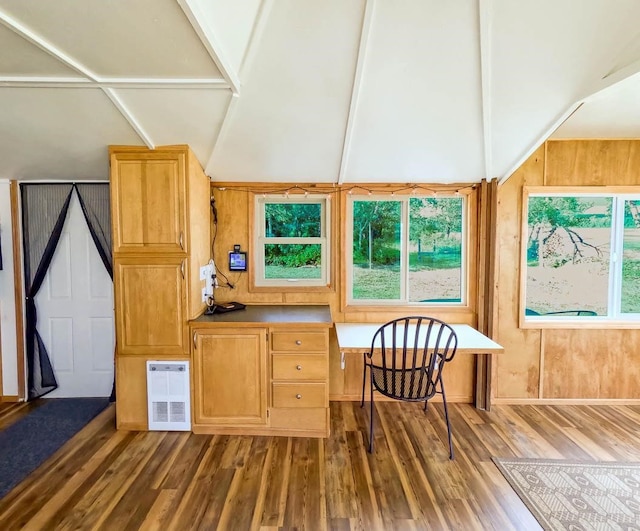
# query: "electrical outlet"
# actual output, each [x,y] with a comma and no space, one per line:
[204,271]
[204,294]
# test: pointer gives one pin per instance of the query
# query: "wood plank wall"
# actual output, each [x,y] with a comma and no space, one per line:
[554,365]
[234,203]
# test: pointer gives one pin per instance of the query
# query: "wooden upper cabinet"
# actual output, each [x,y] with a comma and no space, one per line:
[148,196]
[150,301]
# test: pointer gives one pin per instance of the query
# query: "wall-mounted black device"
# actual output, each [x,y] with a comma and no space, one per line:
[237,259]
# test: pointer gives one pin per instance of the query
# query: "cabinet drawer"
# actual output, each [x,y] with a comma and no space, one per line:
[299,367]
[300,395]
[307,419]
[299,341]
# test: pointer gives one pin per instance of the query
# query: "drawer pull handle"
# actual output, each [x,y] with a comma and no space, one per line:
[298,396]
[298,342]
[299,367]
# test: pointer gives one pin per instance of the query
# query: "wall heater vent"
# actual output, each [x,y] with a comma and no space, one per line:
[168,397]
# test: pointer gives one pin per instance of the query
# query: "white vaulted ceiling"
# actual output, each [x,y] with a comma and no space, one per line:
[341,91]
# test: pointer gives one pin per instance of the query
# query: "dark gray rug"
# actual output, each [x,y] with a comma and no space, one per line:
[29,442]
[577,495]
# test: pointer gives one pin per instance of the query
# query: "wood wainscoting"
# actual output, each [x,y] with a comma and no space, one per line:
[589,363]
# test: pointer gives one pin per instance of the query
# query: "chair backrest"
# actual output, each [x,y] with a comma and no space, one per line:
[408,356]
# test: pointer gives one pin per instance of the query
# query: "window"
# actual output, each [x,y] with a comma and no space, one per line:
[582,259]
[406,250]
[292,241]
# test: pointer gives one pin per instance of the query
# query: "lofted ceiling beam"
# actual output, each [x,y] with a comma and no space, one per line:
[47,47]
[129,117]
[485,9]
[91,79]
[547,133]
[356,89]
[198,20]
[251,51]
[598,89]
[137,83]
[612,79]
[608,82]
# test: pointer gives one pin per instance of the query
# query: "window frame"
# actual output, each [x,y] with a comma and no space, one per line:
[468,253]
[614,319]
[259,240]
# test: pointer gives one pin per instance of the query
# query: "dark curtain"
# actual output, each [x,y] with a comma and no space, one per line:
[44,210]
[96,207]
[95,202]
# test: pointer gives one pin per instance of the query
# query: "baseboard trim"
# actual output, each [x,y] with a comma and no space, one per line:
[381,398]
[565,401]
[10,398]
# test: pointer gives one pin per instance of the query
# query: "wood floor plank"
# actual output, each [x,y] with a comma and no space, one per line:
[159,511]
[205,488]
[109,479]
[243,492]
[340,490]
[97,503]
[277,482]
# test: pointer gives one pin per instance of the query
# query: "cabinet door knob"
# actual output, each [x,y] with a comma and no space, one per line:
[298,342]
[298,397]
[299,367]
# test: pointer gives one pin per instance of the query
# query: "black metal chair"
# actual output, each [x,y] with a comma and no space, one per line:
[406,362]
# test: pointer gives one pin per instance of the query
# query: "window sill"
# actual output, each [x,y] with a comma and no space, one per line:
[291,289]
[573,324]
[407,308]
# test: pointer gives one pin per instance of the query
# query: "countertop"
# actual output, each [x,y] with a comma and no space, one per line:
[271,314]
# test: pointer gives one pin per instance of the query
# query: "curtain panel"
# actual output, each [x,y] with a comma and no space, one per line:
[44,212]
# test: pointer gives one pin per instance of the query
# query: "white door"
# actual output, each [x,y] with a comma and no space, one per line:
[75,313]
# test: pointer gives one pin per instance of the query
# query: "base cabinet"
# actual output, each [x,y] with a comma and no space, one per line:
[131,382]
[260,380]
[230,377]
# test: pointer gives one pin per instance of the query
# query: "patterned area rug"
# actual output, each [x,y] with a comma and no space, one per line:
[577,495]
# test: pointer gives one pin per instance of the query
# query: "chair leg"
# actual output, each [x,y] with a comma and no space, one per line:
[446,416]
[371,416]
[364,379]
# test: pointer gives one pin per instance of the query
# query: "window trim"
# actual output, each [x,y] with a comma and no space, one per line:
[620,193]
[258,240]
[469,254]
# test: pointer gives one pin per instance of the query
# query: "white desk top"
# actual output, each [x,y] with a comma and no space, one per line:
[359,336]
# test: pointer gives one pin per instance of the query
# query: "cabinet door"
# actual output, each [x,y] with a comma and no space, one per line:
[148,202]
[230,377]
[131,393]
[150,306]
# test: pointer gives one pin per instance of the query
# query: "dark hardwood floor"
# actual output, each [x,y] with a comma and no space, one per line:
[115,480]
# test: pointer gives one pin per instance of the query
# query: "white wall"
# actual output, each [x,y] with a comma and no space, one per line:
[8,342]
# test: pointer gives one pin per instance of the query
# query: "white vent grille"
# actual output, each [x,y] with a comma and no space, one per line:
[177,411]
[168,395]
[160,412]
